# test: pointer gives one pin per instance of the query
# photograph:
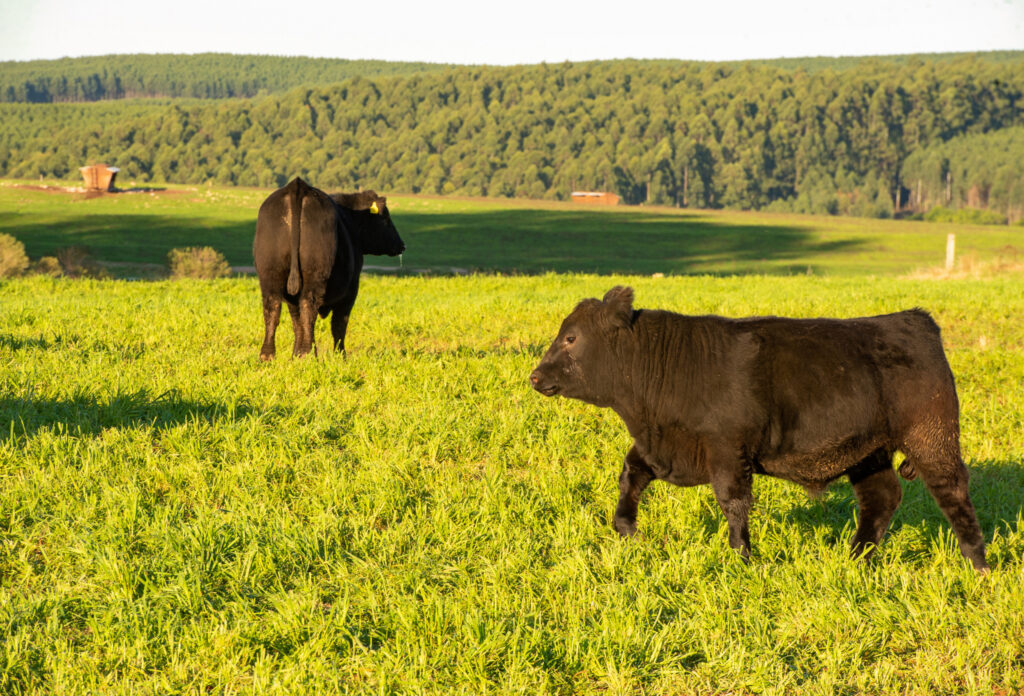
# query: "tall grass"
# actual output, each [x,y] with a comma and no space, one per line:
[177,517]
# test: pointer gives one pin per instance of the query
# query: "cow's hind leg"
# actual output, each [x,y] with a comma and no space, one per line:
[635,477]
[271,316]
[293,309]
[878,494]
[304,318]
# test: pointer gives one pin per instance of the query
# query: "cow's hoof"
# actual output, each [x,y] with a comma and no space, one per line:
[266,357]
[862,552]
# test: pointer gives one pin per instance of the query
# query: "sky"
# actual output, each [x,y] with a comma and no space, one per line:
[523,31]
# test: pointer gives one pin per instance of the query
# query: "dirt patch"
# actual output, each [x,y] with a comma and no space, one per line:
[128,270]
[969,266]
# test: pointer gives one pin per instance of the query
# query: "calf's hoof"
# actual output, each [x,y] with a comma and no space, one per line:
[624,527]
[266,357]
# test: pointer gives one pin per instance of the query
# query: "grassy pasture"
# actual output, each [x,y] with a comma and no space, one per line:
[176,517]
[506,236]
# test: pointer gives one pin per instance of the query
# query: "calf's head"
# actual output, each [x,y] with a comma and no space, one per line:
[372,229]
[585,358]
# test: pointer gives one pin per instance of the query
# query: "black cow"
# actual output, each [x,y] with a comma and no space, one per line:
[309,251]
[713,400]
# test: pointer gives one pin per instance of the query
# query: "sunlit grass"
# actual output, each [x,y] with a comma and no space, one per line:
[177,517]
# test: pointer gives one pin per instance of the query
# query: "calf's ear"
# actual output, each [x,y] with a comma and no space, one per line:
[619,303]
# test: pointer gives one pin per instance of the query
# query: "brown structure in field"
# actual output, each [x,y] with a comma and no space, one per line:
[595,197]
[99,177]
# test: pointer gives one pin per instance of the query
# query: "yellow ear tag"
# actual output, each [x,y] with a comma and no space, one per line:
[373,208]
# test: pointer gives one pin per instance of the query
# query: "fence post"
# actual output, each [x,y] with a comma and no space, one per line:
[950,250]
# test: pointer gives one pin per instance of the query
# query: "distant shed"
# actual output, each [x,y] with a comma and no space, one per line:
[99,177]
[595,198]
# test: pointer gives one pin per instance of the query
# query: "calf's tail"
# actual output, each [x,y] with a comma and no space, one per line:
[294,274]
[907,470]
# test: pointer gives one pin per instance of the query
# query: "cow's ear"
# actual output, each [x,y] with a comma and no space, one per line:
[619,302]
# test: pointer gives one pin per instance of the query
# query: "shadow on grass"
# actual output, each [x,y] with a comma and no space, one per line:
[605,242]
[526,241]
[15,343]
[130,238]
[995,492]
[87,414]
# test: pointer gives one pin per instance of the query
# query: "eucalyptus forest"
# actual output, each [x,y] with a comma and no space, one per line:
[868,137]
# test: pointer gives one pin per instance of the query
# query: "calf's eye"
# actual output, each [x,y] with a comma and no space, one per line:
[570,339]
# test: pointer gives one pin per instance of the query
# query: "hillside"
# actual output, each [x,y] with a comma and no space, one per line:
[707,135]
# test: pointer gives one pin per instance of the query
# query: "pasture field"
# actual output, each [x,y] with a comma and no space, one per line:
[498,235]
[177,517]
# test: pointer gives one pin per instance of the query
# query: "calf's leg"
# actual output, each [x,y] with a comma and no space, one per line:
[948,486]
[935,455]
[732,483]
[635,477]
[271,316]
[878,494]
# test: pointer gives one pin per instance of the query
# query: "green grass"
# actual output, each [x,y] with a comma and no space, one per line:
[176,517]
[506,235]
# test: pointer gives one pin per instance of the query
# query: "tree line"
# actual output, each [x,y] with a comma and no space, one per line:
[226,75]
[867,139]
[196,76]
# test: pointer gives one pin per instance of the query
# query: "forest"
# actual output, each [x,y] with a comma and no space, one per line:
[868,137]
[199,76]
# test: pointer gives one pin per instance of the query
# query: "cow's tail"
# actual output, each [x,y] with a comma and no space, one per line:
[294,274]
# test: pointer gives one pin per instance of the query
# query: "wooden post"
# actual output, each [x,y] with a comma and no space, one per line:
[686,184]
[950,251]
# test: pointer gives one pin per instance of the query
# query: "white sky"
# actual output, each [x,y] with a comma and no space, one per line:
[521,31]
